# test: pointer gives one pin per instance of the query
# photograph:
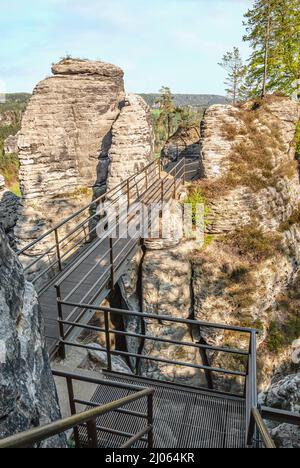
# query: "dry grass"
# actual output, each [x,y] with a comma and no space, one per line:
[257,144]
[253,245]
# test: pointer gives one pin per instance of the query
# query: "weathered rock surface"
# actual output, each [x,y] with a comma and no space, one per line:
[230,135]
[284,395]
[99,357]
[185,143]
[28,394]
[11,144]
[65,137]
[9,205]
[132,145]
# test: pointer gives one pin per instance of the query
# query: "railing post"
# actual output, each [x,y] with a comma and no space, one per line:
[150,422]
[62,347]
[112,260]
[159,168]
[58,250]
[73,409]
[92,434]
[184,171]
[128,193]
[175,182]
[206,363]
[107,339]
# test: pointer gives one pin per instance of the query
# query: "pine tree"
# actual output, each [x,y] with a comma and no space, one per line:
[168,109]
[232,62]
[273,30]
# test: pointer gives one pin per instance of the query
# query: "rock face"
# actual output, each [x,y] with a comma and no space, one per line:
[284,395]
[9,204]
[64,141]
[132,145]
[248,274]
[28,394]
[248,158]
[11,144]
[185,143]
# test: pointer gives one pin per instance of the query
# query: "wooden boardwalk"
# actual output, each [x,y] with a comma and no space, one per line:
[182,418]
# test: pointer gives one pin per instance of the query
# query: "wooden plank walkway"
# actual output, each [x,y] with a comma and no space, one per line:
[183,418]
[88,279]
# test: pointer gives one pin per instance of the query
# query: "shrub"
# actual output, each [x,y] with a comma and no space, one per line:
[196,198]
[251,243]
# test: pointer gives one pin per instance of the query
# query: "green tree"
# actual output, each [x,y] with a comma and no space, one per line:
[232,62]
[273,30]
[167,108]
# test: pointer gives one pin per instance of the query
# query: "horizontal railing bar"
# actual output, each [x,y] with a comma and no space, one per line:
[184,387]
[280,416]
[120,410]
[74,215]
[41,433]
[112,431]
[164,361]
[138,437]
[164,318]
[96,381]
[154,338]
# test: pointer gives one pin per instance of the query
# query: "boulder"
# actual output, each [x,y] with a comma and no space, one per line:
[99,357]
[284,395]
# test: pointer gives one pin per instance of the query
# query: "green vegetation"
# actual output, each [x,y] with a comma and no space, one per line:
[280,336]
[232,62]
[196,198]
[272,29]
[9,164]
[167,118]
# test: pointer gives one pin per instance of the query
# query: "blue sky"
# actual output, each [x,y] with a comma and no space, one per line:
[175,43]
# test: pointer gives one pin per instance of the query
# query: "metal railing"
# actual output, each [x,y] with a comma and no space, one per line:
[195,325]
[65,239]
[89,418]
[57,249]
[117,250]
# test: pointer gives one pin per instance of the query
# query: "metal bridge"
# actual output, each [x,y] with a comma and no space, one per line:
[73,275]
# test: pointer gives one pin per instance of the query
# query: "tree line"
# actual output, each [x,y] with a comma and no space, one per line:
[273,32]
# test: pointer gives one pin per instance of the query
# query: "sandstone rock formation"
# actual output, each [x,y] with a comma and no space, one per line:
[185,143]
[11,144]
[64,141]
[248,160]
[28,394]
[132,145]
[248,275]
[9,204]
[284,395]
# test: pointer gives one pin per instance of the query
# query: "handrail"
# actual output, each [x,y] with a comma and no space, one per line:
[74,215]
[39,434]
[202,347]
[262,429]
[280,416]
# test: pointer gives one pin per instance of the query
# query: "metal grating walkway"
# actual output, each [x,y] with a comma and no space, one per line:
[182,418]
